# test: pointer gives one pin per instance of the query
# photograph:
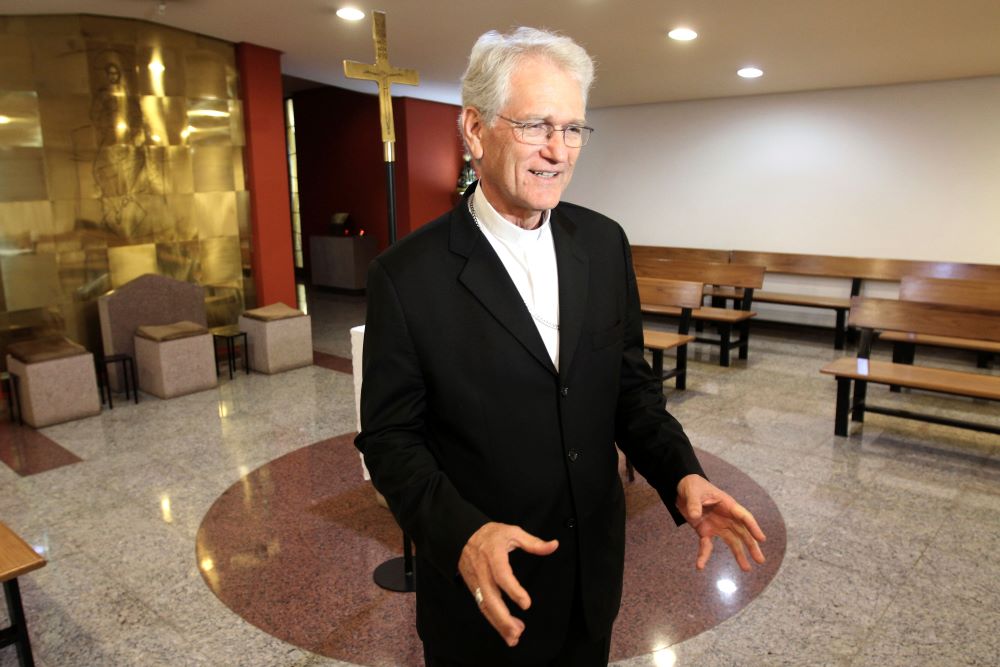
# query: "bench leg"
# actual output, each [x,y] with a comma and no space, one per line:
[682,362]
[18,624]
[658,365]
[858,409]
[843,401]
[725,333]
[902,353]
[840,335]
[744,339]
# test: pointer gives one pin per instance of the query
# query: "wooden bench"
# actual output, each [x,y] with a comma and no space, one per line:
[871,315]
[980,294]
[682,294]
[746,278]
[685,254]
[16,558]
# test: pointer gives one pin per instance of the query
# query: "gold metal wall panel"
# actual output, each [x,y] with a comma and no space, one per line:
[213,169]
[19,119]
[237,130]
[60,63]
[128,262]
[220,262]
[30,281]
[215,214]
[121,153]
[243,213]
[209,122]
[22,175]
[68,121]
[239,175]
[23,223]
[178,171]
[182,210]
[62,174]
[206,75]
[181,260]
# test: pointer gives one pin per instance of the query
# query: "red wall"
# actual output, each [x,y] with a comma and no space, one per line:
[340,164]
[431,159]
[267,174]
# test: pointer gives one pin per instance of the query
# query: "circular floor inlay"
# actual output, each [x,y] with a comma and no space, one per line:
[291,548]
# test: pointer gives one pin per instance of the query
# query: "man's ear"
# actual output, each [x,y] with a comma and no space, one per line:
[472,128]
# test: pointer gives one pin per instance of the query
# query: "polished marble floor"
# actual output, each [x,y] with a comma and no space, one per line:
[892,553]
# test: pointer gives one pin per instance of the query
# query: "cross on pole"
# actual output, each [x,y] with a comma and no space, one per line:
[384,74]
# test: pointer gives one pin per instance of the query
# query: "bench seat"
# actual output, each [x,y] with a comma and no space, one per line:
[706,313]
[16,558]
[943,380]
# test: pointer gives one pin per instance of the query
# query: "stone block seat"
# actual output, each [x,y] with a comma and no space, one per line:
[279,337]
[175,359]
[56,380]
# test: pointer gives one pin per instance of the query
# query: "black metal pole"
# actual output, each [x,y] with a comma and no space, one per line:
[390,182]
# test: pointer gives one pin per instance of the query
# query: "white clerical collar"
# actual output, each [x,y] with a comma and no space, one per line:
[504,229]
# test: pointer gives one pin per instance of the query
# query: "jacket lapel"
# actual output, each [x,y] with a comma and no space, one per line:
[574,274]
[485,276]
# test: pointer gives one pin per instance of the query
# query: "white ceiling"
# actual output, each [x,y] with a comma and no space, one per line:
[800,44]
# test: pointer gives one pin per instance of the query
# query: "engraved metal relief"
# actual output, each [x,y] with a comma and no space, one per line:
[121,153]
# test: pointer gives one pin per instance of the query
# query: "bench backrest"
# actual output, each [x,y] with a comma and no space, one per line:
[688,254]
[711,273]
[982,294]
[924,318]
[664,292]
[867,268]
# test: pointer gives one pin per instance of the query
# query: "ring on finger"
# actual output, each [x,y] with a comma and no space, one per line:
[478,594]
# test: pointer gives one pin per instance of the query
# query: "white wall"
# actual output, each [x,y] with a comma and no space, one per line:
[908,171]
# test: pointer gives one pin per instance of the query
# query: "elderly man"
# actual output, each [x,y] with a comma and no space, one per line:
[503,361]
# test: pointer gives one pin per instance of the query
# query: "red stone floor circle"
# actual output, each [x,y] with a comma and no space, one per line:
[291,548]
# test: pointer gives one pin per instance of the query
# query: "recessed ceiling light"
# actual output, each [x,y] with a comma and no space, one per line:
[682,34]
[350,13]
[750,72]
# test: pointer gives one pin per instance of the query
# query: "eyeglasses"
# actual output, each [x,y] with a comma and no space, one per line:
[574,136]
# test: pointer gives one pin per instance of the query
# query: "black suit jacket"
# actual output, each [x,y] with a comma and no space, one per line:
[466,420]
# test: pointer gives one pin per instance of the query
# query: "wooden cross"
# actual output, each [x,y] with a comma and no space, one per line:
[384,74]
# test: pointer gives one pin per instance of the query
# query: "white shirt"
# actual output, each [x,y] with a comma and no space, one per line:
[530,259]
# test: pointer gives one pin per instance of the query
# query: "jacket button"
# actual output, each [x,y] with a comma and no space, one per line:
[571,523]
[572,454]
[564,391]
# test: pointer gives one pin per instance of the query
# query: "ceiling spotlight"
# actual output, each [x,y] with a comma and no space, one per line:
[682,34]
[750,72]
[350,14]
[5,120]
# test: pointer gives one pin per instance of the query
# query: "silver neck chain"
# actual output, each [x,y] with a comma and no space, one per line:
[535,316]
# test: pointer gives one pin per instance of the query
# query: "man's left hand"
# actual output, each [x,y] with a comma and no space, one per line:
[714,513]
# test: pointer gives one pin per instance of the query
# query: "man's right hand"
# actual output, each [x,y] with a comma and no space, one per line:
[485,565]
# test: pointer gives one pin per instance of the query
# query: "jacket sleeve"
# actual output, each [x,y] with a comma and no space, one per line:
[652,439]
[393,434]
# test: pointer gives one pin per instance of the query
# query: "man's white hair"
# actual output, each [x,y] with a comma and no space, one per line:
[486,82]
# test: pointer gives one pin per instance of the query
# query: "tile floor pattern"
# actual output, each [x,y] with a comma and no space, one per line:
[893,534]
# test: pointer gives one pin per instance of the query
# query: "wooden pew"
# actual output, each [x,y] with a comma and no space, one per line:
[981,294]
[685,254]
[871,315]
[682,294]
[16,558]
[746,278]
[855,269]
